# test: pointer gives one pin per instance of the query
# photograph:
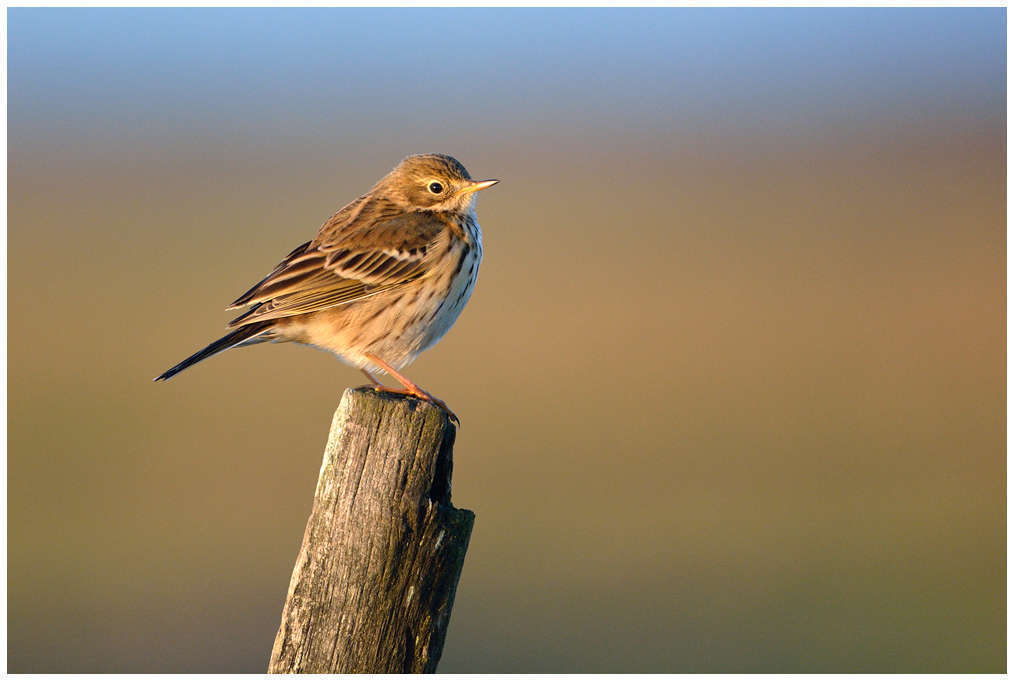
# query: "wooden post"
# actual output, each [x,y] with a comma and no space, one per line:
[374,582]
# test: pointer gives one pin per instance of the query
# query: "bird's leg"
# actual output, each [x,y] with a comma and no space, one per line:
[373,380]
[410,387]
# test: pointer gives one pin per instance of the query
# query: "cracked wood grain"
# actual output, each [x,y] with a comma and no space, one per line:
[374,582]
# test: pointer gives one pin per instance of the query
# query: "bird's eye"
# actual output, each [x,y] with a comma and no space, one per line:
[436,187]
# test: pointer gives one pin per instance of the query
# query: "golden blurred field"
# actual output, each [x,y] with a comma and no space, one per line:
[730,402]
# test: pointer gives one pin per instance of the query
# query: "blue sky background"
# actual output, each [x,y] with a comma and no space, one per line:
[268,70]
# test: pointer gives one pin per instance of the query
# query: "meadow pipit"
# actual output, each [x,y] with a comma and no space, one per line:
[384,279]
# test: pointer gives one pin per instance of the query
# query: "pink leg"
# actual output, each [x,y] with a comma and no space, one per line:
[410,387]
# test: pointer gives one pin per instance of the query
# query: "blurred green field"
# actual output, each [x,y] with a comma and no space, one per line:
[731,400]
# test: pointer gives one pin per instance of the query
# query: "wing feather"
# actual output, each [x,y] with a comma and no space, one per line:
[358,253]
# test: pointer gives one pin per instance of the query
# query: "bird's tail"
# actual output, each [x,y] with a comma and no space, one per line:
[245,335]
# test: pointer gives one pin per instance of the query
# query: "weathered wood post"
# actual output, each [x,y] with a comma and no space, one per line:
[374,582]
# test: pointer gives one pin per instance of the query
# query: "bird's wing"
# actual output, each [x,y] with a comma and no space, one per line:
[366,248]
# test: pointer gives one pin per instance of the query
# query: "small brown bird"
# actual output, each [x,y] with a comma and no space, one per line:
[384,279]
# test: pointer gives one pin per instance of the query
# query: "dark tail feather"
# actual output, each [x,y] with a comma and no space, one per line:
[244,334]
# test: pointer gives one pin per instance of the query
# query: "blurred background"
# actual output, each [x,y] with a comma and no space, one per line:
[731,384]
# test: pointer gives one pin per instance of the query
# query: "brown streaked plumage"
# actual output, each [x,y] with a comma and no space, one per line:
[384,279]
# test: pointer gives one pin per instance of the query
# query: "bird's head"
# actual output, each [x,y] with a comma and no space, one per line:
[431,182]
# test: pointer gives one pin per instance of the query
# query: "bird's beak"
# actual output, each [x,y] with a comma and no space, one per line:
[476,186]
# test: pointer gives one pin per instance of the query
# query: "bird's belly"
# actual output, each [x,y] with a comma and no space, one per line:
[447,312]
[394,326]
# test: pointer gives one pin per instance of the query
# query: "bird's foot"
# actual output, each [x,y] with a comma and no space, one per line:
[410,388]
[422,395]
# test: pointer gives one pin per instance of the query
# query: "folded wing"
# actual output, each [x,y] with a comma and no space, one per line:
[367,248]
